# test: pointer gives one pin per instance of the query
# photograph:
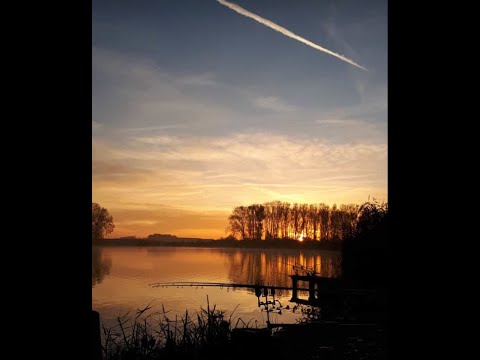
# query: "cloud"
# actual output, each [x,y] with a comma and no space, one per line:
[135,95]
[132,92]
[335,122]
[96,125]
[272,103]
[207,173]
[198,80]
[157,140]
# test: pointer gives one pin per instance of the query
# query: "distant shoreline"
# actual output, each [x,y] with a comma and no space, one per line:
[225,243]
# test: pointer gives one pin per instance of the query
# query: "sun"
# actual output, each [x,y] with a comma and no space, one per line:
[300,238]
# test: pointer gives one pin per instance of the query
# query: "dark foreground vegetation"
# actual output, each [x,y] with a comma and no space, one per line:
[213,334]
[365,255]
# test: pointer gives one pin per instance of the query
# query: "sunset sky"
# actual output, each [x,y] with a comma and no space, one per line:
[198,109]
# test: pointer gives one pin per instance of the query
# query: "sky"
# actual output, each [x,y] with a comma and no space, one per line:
[197,109]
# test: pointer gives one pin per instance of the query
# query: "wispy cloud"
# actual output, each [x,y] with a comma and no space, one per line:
[146,99]
[158,140]
[272,103]
[286,32]
[208,174]
[335,122]
[152,128]
[142,96]
[96,125]
[198,80]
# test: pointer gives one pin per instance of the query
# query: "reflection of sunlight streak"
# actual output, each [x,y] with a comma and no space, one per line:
[131,267]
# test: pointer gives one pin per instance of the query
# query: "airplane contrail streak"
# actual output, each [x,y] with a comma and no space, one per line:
[285,32]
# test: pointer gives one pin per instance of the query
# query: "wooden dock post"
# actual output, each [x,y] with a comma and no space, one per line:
[311,290]
[294,288]
[96,339]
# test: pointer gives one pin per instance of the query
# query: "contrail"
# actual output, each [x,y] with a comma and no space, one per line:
[285,32]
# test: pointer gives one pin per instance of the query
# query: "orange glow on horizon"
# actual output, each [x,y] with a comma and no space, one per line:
[150,191]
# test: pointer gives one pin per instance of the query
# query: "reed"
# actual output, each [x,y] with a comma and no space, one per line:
[152,335]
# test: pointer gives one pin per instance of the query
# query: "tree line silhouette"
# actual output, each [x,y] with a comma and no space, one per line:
[282,220]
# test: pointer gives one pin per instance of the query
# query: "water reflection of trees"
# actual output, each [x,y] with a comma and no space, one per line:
[101,265]
[273,268]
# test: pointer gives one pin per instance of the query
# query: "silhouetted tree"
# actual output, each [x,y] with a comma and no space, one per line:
[304,223]
[314,221]
[295,220]
[349,220]
[259,218]
[256,215]
[371,215]
[324,213]
[270,222]
[102,223]
[335,224]
[365,254]
[238,222]
[285,216]
[251,221]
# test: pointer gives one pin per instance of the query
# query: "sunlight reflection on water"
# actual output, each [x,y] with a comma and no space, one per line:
[121,278]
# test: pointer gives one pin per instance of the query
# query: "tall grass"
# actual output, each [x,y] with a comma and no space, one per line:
[158,335]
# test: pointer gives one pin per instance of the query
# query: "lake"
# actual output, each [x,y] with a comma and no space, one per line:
[121,278]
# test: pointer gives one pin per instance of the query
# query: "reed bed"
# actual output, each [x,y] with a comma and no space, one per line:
[152,335]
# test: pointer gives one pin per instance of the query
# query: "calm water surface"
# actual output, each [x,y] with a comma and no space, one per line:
[121,278]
